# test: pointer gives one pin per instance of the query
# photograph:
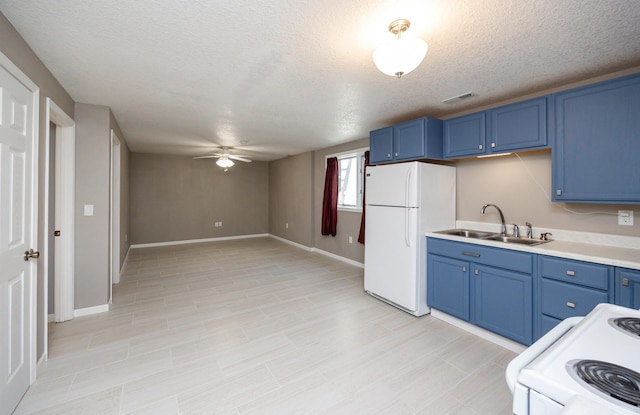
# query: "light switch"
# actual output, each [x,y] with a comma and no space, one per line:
[88,210]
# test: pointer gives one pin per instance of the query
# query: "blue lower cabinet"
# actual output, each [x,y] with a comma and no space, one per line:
[489,287]
[503,302]
[569,288]
[627,288]
[448,286]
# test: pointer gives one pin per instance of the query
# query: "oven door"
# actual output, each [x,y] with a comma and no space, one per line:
[541,405]
[523,397]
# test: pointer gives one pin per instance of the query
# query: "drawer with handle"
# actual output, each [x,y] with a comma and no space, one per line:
[576,272]
[496,257]
[561,300]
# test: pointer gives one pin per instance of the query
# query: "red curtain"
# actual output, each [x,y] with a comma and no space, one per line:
[330,201]
[364,191]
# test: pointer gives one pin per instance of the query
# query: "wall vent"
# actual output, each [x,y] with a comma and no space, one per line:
[460,97]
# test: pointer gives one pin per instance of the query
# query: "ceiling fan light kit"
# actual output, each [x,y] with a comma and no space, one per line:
[225,159]
[400,55]
[224,162]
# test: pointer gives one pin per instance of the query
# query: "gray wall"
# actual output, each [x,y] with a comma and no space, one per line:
[16,49]
[93,163]
[175,198]
[125,215]
[291,198]
[348,222]
[522,187]
[296,188]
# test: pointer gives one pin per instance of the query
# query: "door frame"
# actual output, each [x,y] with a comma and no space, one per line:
[114,215]
[34,266]
[64,213]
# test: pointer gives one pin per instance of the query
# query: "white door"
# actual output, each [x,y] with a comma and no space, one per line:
[391,255]
[17,235]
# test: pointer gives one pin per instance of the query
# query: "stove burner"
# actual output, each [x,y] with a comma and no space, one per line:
[616,381]
[628,324]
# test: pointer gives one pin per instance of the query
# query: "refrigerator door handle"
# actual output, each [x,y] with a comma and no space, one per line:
[406,228]
[407,182]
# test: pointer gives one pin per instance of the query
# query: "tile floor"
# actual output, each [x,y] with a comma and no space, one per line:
[256,326]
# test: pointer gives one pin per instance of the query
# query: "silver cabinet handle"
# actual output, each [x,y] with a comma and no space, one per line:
[571,273]
[571,305]
[625,282]
[471,254]
[476,272]
[464,269]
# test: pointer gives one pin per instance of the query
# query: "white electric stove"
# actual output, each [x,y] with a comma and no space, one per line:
[595,358]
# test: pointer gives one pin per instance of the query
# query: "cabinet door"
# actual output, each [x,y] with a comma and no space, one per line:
[502,302]
[381,145]
[519,126]
[464,136]
[448,286]
[597,143]
[409,140]
[627,288]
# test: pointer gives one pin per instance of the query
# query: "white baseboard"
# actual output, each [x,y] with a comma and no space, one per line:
[338,257]
[480,332]
[261,235]
[197,241]
[286,241]
[320,251]
[80,312]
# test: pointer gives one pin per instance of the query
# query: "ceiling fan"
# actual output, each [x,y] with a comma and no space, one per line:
[225,159]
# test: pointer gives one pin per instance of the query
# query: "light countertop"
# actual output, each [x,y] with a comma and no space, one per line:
[615,255]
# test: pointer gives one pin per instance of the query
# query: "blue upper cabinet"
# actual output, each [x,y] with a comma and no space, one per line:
[517,127]
[381,145]
[597,143]
[411,140]
[465,136]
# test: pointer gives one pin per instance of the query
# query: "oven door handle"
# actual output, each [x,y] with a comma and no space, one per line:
[537,348]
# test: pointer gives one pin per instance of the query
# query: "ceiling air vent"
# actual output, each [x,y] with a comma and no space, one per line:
[458,98]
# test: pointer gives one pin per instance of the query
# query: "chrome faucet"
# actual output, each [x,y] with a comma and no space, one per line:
[516,231]
[504,226]
[529,230]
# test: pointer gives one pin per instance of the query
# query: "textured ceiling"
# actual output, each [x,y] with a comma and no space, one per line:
[288,76]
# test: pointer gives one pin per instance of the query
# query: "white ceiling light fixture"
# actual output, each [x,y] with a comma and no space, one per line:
[224,162]
[400,55]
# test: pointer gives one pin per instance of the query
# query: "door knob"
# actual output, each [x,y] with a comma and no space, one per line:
[31,254]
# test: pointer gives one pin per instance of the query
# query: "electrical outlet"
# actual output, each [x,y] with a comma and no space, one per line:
[625,217]
[286,226]
[351,239]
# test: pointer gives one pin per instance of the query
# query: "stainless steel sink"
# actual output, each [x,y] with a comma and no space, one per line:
[514,240]
[489,236]
[467,233]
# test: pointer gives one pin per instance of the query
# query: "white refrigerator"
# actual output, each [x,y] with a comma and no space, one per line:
[403,202]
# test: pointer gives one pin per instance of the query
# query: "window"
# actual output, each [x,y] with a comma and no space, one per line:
[350,179]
